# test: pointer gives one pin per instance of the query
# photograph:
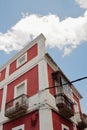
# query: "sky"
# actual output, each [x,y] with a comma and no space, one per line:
[63,23]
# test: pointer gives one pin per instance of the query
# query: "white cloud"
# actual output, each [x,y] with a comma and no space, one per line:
[82,3]
[67,51]
[66,34]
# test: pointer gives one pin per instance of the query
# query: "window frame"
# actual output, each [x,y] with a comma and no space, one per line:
[65,127]
[18,85]
[19,127]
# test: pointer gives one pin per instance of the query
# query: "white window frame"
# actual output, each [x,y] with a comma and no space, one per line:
[65,127]
[18,127]
[25,88]
[18,63]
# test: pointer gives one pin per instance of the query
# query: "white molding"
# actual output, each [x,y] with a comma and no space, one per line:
[43,75]
[35,103]
[45,118]
[2,114]
[41,52]
[25,88]
[28,46]
[29,65]
[1,127]
[18,127]
[7,71]
[51,64]
[64,126]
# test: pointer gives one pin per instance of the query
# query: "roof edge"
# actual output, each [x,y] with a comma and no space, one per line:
[53,62]
[19,53]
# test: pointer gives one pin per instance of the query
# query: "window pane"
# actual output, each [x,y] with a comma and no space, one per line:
[65,129]
[20,89]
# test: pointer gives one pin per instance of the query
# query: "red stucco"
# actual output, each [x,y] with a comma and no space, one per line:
[58,121]
[32,83]
[26,120]
[2,74]
[31,53]
[12,67]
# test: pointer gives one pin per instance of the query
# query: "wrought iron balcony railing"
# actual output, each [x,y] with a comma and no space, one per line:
[65,105]
[16,107]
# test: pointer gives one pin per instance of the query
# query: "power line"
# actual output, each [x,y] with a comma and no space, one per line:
[73,81]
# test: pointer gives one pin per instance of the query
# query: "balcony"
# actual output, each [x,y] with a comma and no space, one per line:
[16,107]
[64,105]
[82,120]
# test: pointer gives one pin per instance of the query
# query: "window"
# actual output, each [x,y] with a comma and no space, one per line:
[64,127]
[60,80]
[22,60]
[66,88]
[21,89]
[21,127]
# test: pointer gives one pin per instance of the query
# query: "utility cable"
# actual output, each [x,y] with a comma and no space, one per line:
[70,82]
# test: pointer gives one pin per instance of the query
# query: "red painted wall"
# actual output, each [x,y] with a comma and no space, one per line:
[1,94]
[26,120]
[58,121]
[32,83]
[2,74]
[31,53]
[50,80]
[12,67]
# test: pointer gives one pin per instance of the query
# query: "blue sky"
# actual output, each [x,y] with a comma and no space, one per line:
[64,24]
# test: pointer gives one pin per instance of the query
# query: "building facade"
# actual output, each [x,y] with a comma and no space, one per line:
[36,95]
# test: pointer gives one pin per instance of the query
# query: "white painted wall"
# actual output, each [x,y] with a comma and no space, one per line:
[45,118]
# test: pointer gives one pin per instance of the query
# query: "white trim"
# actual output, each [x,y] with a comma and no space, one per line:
[7,71]
[28,46]
[36,102]
[3,102]
[40,40]
[43,75]
[45,118]
[18,64]
[1,127]
[64,126]
[29,65]
[18,127]
[25,88]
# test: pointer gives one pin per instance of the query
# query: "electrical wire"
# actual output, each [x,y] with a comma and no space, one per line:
[70,82]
